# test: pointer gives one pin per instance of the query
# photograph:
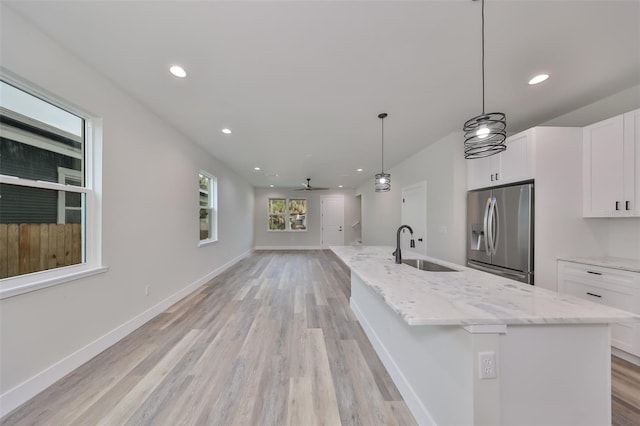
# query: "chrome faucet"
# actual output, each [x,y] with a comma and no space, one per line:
[412,244]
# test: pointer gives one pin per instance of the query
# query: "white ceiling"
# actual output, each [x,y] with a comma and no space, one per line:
[301,83]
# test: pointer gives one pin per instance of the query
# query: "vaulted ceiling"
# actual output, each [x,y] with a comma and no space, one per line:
[300,84]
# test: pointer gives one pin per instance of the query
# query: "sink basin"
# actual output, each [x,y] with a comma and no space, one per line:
[425,265]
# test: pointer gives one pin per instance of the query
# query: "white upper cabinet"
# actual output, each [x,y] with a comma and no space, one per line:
[513,165]
[611,167]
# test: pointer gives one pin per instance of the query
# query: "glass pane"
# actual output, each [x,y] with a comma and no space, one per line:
[204,184]
[73,199]
[28,105]
[298,206]
[276,222]
[297,222]
[73,216]
[49,163]
[37,238]
[204,224]
[277,205]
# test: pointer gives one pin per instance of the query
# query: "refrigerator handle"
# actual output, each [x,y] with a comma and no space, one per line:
[486,235]
[495,226]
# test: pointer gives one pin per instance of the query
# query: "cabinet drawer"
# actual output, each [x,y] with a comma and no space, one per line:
[601,277]
[618,297]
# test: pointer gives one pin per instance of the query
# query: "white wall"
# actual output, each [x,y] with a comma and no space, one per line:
[150,218]
[312,238]
[615,104]
[443,166]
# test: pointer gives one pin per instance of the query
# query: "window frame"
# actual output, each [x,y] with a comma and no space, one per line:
[92,190]
[287,214]
[211,207]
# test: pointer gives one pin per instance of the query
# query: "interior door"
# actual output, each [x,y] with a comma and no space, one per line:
[414,214]
[332,220]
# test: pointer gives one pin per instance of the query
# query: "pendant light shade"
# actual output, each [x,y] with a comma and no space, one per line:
[484,134]
[383,180]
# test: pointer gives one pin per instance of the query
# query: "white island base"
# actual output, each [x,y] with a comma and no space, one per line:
[555,374]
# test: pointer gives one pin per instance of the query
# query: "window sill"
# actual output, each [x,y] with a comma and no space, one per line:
[38,282]
[287,230]
[203,243]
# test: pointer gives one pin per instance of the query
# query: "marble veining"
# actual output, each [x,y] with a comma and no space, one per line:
[468,296]
[632,265]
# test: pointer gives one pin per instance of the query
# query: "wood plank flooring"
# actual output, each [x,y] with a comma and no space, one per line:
[272,341]
[625,393]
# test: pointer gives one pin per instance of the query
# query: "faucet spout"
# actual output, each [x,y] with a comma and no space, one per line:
[398,252]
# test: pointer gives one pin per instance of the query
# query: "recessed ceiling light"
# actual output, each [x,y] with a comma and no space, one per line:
[256,168]
[359,170]
[339,186]
[226,131]
[270,186]
[538,79]
[178,71]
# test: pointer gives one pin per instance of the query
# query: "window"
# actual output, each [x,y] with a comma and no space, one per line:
[49,209]
[208,187]
[287,214]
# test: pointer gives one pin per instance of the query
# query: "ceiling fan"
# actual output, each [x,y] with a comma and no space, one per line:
[308,187]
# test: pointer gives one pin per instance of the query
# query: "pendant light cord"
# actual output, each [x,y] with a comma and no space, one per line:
[482,57]
[382,156]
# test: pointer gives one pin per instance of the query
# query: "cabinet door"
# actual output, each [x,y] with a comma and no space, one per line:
[603,168]
[516,163]
[631,188]
[611,287]
[481,172]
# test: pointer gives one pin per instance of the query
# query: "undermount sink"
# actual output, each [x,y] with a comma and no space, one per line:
[425,265]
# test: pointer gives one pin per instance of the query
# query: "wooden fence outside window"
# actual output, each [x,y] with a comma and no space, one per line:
[33,247]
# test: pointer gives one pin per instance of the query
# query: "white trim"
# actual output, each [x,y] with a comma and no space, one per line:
[13,180]
[63,276]
[207,242]
[287,248]
[26,390]
[626,356]
[486,329]
[419,411]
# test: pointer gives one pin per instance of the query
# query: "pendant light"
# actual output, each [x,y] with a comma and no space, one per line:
[383,180]
[484,135]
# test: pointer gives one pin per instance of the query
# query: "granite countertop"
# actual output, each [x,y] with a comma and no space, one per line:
[468,296]
[632,265]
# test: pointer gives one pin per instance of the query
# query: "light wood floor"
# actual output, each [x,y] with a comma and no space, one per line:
[625,392]
[272,341]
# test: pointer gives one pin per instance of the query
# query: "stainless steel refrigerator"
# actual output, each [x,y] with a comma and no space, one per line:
[500,231]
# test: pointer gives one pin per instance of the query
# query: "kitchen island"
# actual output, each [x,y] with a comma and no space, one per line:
[544,357]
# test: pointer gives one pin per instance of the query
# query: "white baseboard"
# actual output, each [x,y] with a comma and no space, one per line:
[626,356]
[287,248]
[419,411]
[20,394]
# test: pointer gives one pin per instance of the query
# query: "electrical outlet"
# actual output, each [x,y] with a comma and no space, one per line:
[487,365]
[146,290]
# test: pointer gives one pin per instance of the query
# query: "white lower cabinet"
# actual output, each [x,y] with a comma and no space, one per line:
[612,287]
